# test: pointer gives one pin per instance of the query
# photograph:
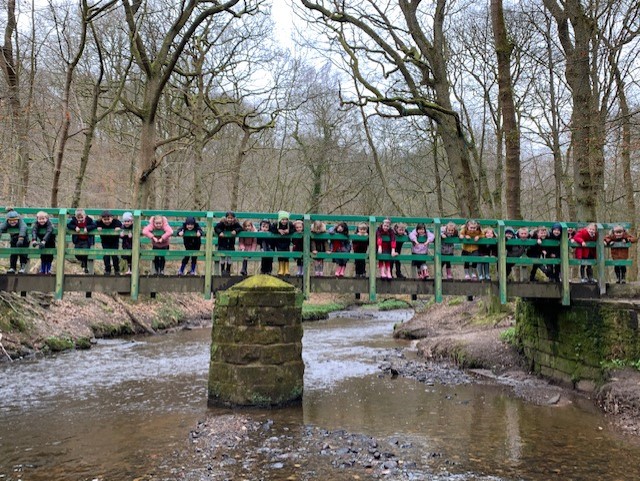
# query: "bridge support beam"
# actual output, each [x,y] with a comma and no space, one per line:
[572,344]
[256,345]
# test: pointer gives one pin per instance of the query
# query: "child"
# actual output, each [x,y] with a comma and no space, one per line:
[318,245]
[449,231]
[360,246]
[227,229]
[158,223]
[581,237]
[553,252]
[400,231]
[619,235]
[537,251]
[386,243]
[471,231]
[16,239]
[487,250]
[192,242]
[82,224]
[420,239]
[297,245]
[110,241]
[514,250]
[283,228]
[126,234]
[44,238]
[247,244]
[266,244]
[340,245]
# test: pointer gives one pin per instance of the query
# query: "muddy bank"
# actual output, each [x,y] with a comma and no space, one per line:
[39,323]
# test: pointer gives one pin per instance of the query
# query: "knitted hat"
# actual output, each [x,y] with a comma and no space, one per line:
[127,216]
[511,230]
[106,213]
[557,225]
[12,214]
[282,214]
[190,221]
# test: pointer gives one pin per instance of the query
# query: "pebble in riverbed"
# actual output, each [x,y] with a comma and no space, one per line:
[426,372]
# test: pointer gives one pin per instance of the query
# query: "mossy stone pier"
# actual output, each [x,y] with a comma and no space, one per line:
[256,345]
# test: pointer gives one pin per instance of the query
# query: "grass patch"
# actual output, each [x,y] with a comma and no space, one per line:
[57,344]
[315,312]
[508,336]
[392,304]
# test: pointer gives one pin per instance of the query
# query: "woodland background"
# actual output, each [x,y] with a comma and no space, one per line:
[444,108]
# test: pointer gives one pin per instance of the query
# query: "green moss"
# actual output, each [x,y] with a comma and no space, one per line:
[111,330]
[83,343]
[508,336]
[455,301]
[314,312]
[392,304]
[57,344]
[168,316]
[264,282]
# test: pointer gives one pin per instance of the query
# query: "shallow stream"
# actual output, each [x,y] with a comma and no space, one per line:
[114,412]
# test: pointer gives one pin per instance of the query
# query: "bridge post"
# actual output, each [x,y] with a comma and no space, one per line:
[600,255]
[135,254]
[437,263]
[502,262]
[565,270]
[373,249]
[306,256]
[256,344]
[60,257]
[208,256]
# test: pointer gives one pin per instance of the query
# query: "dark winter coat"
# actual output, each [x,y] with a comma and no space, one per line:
[82,238]
[15,237]
[110,241]
[282,242]
[44,234]
[192,242]
[228,241]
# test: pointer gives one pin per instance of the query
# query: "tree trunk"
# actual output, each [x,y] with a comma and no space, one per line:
[507,106]
[237,168]
[147,162]
[20,127]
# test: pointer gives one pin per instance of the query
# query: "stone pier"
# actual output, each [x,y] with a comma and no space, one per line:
[256,345]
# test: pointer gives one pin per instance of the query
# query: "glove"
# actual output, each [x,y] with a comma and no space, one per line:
[20,242]
[41,245]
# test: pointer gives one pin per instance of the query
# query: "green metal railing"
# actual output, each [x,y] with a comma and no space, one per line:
[140,251]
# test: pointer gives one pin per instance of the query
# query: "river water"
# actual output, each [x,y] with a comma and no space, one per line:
[113,412]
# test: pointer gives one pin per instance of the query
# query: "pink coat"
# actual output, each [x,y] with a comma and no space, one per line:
[166,236]
[248,244]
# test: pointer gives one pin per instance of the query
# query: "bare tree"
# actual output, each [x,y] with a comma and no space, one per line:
[157,55]
[400,61]
[507,105]
[10,62]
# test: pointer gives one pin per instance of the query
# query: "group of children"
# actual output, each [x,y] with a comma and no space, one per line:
[114,233]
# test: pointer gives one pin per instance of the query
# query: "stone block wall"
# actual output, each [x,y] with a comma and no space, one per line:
[573,343]
[256,344]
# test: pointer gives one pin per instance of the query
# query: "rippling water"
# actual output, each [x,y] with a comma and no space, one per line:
[113,412]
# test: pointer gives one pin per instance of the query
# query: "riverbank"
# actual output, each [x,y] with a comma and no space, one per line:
[480,339]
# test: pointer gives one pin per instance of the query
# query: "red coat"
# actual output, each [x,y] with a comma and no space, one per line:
[584,252]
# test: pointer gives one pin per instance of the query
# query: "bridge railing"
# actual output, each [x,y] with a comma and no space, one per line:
[140,251]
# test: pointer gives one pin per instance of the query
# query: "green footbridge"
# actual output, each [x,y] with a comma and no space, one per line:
[209,279]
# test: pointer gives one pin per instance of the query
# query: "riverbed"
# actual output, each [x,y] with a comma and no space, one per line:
[124,408]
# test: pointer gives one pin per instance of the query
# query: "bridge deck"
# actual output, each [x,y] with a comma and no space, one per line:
[184,284]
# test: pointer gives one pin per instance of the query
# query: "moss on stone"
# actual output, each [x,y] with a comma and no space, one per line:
[263,282]
[83,343]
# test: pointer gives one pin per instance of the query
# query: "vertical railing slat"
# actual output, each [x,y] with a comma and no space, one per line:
[208,256]
[602,271]
[60,254]
[372,258]
[502,263]
[565,271]
[135,254]
[437,259]
[306,257]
